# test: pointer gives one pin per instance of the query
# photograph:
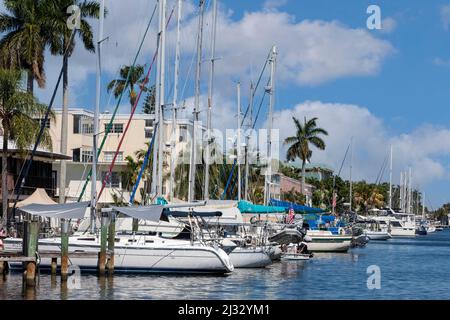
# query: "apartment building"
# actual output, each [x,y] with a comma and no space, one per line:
[80,149]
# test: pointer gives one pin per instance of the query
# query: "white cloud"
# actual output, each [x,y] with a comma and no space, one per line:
[371,139]
[242,46]
[388,25]
[441,62]
[274,4]
[445,15]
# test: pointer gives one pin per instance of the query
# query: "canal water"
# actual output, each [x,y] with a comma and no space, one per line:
[415,268]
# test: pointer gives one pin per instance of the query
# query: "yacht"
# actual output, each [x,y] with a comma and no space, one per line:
[400,224]
[326,241]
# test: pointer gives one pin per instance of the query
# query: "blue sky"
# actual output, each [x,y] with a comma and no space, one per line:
[389,86]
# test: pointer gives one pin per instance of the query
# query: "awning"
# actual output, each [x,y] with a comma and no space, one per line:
[73,210]
[248,207]
[183,214]
[39,196]
[297,207]
[149,213]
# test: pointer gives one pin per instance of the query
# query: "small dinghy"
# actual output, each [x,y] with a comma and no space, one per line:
[286,256]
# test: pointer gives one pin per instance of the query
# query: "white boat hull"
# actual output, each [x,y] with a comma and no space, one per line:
[295,256]
[143,259]
[250,257]
[403,232]
[329,246]
[378,235]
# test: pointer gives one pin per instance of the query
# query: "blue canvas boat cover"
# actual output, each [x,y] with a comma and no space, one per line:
[248,207]
[297,207]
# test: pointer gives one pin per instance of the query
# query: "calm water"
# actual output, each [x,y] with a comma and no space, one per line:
[410,269]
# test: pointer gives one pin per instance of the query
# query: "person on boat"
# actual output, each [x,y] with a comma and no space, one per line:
[302,248]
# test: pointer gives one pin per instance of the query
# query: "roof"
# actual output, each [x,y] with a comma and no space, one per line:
[40,152]
[39,196]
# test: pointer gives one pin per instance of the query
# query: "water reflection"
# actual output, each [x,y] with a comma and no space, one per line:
[403,267]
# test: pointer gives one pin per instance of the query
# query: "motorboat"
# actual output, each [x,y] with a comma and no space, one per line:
[326,241]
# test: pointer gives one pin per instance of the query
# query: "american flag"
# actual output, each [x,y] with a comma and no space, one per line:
[291,215]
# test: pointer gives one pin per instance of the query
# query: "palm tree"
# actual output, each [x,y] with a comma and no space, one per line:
[306,134]
[136,78]
[26,32]
[62,43]
[149,102]
[18,113]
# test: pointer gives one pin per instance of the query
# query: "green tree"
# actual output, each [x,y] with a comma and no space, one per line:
[136,78]
[149,102]
[19,111]
[306,134]
[26,33]
[62,43]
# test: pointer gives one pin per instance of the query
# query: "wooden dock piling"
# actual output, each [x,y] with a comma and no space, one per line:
[103,240]
[64,249]
[30,248]
[54,265]
[111,241]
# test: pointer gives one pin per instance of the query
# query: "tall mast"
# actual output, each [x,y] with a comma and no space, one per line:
[210,97]
[409,190]
[154,188]
[423,205]
[351,165]
[390,181]
[247,143]
[96,117]
[238,140]
[401,191]
[271,90]
[161,104]
[175,102]
[193,162]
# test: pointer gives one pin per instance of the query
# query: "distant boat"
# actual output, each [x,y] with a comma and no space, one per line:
[421,230]
[325,241]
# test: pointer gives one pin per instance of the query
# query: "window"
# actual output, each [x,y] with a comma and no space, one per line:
[47,123]
[148,134]
[116,127]
[149,122]
[86,156]
[83,124]
[87,128]
[109,155]
[76,155]
[76,123]
[183,133]
[113,180]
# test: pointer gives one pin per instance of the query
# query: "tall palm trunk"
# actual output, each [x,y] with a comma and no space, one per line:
[303,176]
[64,129]
[5,175]
[30,81]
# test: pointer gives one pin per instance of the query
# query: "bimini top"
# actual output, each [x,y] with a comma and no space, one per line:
[72,210]
[248,207]
[150,213]
[297,207]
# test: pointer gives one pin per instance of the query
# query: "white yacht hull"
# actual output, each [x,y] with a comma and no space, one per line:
[325,241]
[378,235]
[250,257]
[177,258]
[403,232]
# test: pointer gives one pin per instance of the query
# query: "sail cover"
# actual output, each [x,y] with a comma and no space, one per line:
[298,208]
[149,213]
[73,210]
